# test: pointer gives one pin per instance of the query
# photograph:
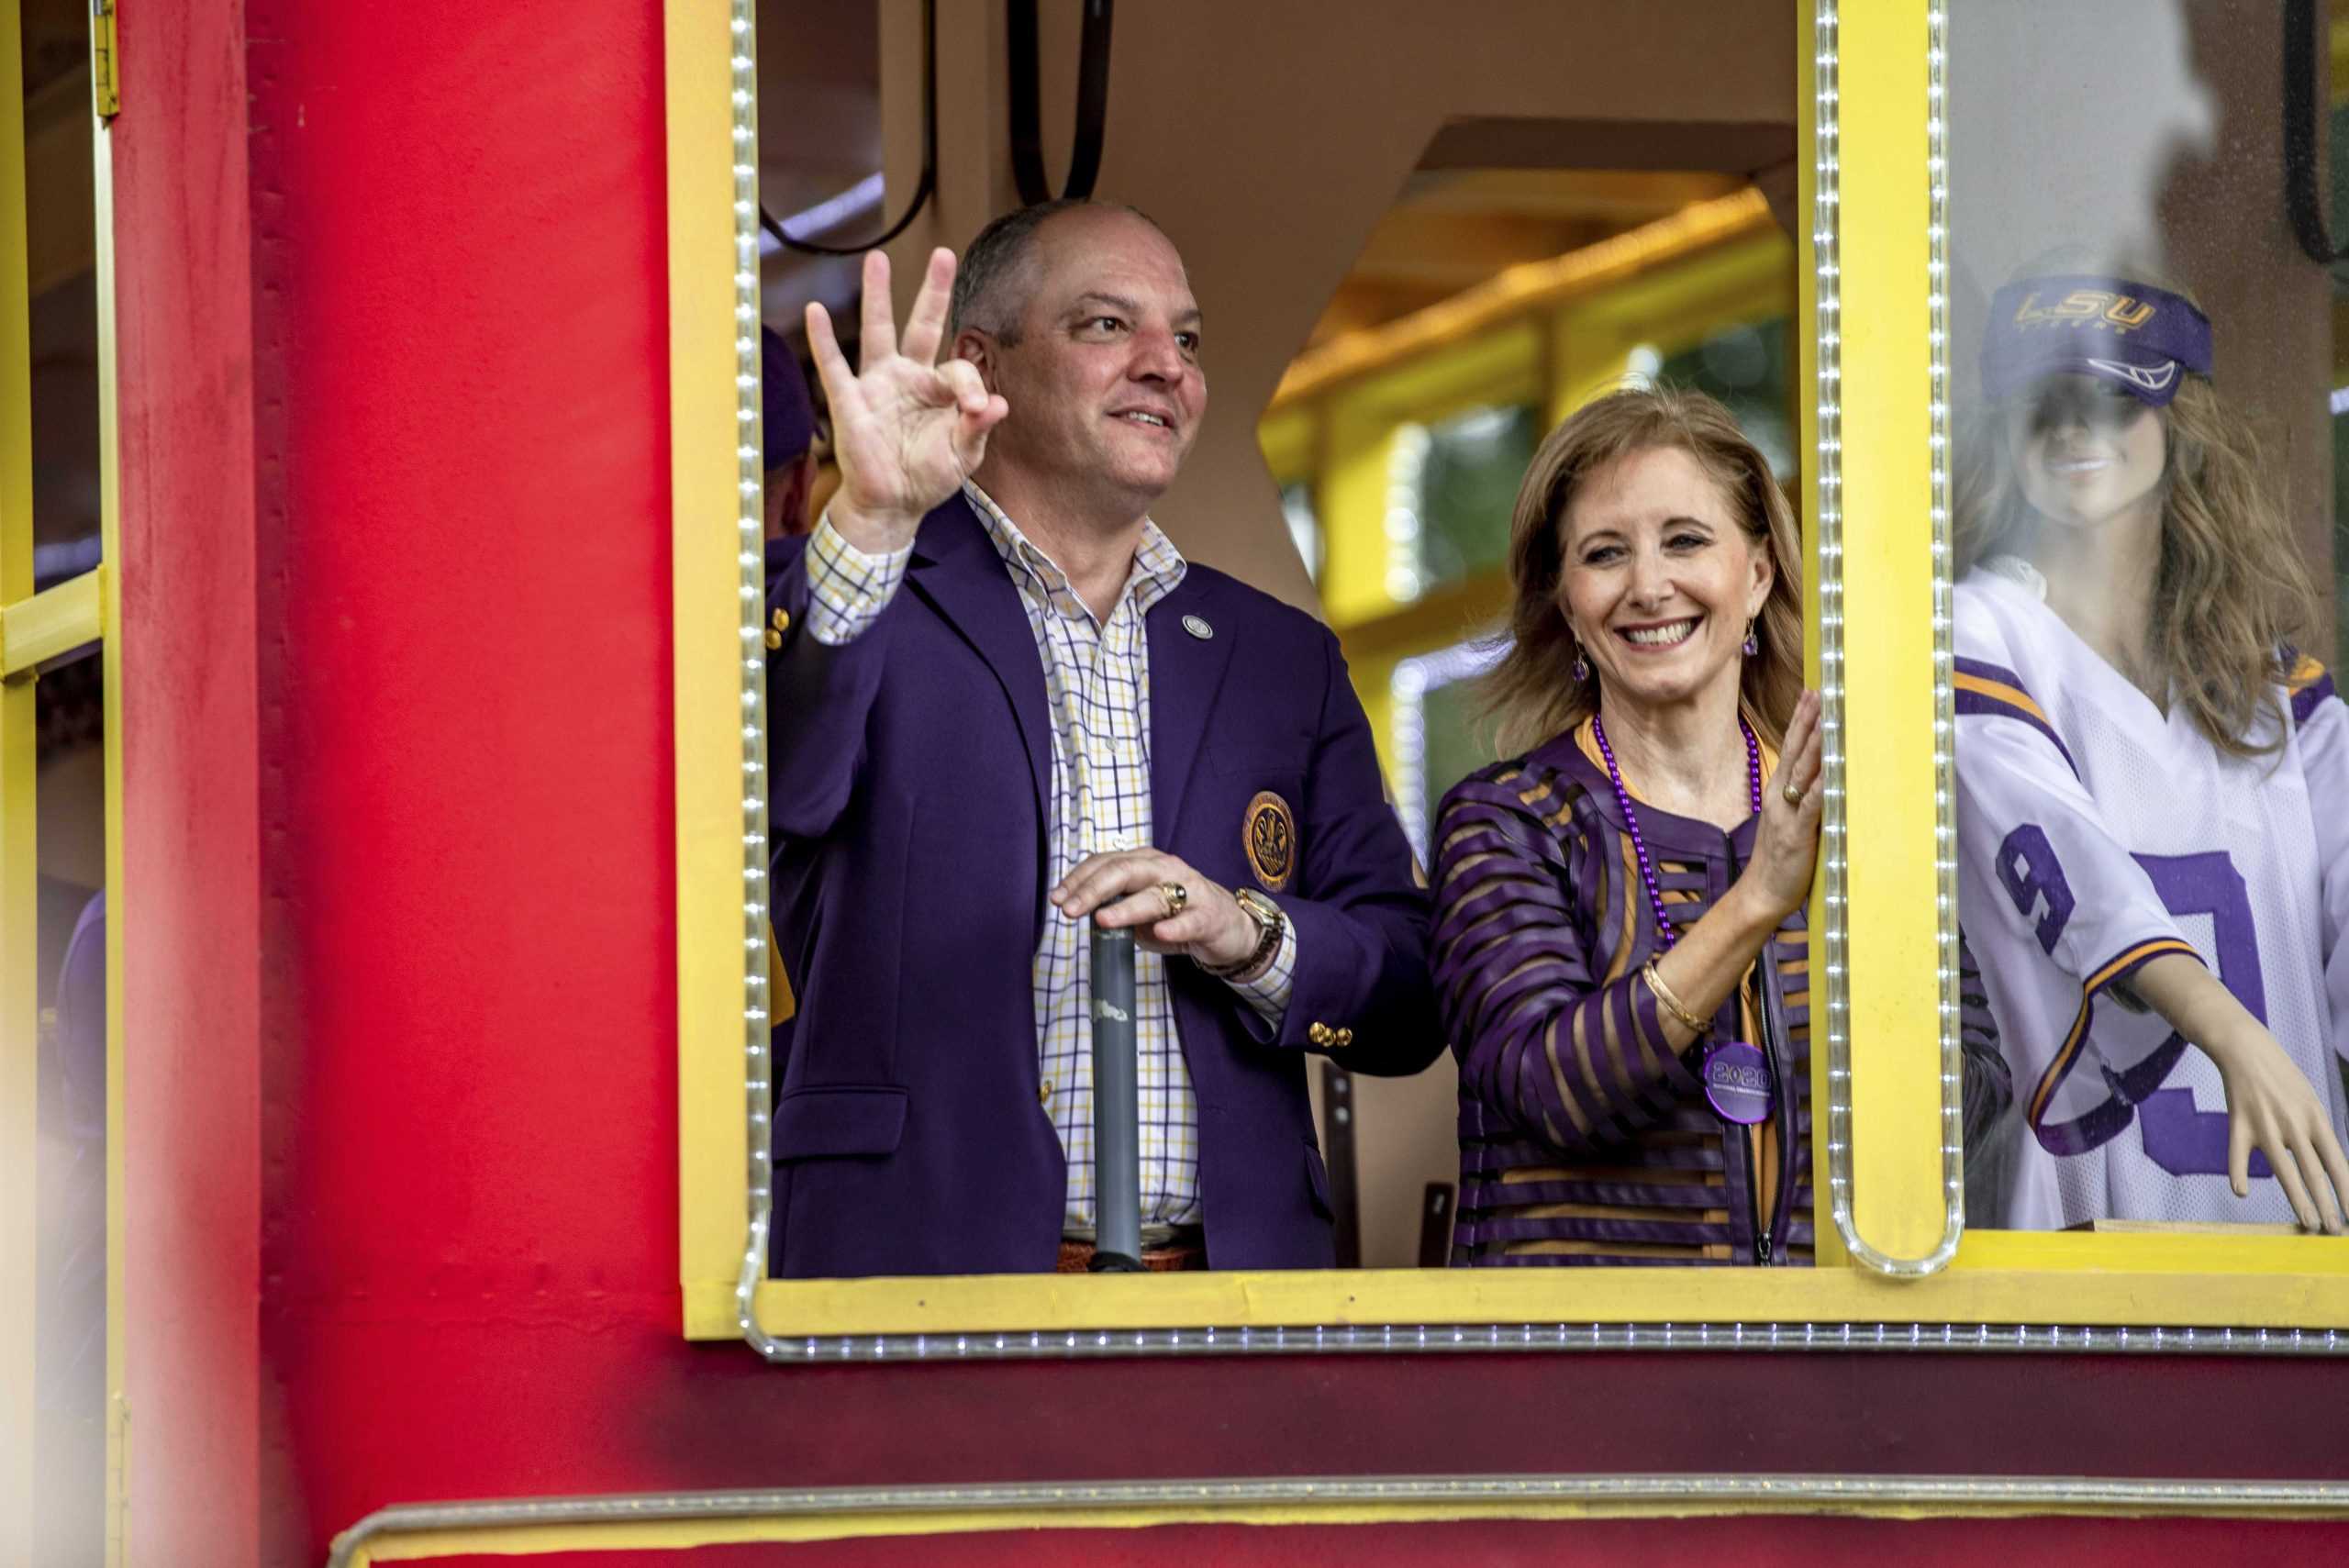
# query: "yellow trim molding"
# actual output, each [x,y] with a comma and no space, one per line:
[19,905]
[1894,935]
[682,1521]
[2000,1277]
[713,1145]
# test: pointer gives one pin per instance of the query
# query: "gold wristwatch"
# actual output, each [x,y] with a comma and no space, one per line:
[1270,924]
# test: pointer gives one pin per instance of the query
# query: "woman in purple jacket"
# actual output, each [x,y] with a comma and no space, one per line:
[1619,947]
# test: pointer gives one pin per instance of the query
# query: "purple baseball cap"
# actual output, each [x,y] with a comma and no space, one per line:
[788,416]
[2138,337]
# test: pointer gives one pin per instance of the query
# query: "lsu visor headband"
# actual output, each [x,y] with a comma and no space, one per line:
[2140,338]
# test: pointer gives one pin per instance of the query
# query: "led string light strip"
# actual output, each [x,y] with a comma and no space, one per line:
[1944,636]
[1827,457]
[1424,1339]
[751,529]
[1407,461]
[1406,691]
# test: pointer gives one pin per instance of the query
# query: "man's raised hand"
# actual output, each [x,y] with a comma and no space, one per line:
[907,428]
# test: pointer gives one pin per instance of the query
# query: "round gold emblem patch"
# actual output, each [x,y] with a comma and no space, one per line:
[1268,832]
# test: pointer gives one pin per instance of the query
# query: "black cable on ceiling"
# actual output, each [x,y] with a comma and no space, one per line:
[1092,102]
[923,188]
[2304,199]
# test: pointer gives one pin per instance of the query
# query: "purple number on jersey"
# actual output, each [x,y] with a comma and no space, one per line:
[2180,1138]
[2033,877]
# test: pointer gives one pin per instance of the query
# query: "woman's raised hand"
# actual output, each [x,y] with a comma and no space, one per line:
[1785,846]
[906,428]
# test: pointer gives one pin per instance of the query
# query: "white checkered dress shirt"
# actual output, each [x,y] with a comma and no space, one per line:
[1096,678]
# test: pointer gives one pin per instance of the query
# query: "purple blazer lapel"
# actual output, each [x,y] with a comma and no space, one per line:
[1186,672]
[956,570]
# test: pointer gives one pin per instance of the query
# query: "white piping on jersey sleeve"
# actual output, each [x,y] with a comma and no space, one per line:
[2325,756]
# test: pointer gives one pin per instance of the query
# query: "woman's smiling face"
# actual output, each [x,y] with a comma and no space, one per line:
[2084,451]
[1659,579]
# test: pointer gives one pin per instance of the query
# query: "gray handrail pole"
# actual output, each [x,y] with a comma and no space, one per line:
[1117,1110]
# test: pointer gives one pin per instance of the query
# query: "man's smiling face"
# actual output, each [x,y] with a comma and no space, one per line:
[1104,377]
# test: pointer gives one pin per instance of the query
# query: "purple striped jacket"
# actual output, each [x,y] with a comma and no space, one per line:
[1583,1137]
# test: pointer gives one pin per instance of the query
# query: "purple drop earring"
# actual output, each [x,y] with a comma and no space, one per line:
[1581,671]
[1752,647]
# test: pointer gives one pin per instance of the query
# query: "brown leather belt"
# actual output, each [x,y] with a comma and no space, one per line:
[1186,1251]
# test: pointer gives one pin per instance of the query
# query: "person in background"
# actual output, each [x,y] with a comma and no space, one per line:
[789,419]
[1620,945]
[2153,804]
[1004,710]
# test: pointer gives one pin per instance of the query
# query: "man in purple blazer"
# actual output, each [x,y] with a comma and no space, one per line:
[1003,707]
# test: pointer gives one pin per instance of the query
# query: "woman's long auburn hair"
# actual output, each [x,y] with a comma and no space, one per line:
[2231,589]
[1532,694]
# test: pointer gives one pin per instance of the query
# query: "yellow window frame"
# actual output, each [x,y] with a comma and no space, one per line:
[20,1018]
[1864,70]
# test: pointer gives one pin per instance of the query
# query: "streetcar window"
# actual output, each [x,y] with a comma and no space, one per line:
[1484,305]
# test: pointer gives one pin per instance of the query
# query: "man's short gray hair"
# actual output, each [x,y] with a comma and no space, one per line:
[992,286]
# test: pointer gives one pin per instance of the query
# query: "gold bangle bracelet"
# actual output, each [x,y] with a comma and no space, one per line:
[1662,993]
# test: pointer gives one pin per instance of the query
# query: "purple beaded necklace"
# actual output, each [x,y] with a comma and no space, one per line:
[1739,1082]
[1666,929]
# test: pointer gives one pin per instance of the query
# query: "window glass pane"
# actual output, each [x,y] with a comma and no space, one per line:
[2153,855]
[67,1261]
[69,1264]
[1469,469]
[2335,41]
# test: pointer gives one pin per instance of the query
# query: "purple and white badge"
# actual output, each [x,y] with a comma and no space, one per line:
[1737,1082]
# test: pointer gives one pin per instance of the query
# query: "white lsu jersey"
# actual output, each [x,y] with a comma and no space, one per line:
[2095,834]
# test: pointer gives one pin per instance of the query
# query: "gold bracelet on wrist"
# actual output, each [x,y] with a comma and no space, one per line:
[1672,1005]
[1253,967]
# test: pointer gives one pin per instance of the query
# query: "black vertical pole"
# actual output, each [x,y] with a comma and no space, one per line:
[1338,1160]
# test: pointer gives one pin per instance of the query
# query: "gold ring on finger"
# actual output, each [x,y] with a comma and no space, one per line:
[1793,794]
[1177,895]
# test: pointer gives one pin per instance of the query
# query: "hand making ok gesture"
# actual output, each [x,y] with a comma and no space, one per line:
[907,429]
